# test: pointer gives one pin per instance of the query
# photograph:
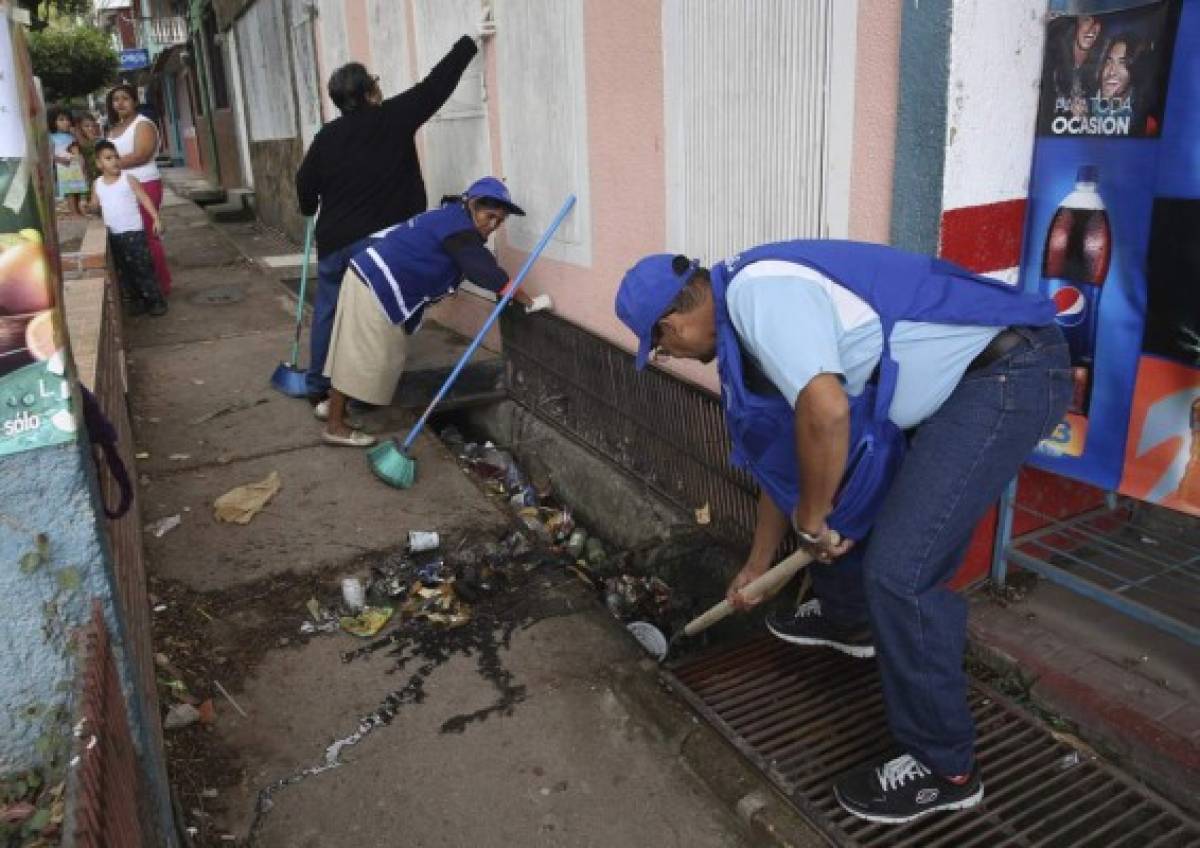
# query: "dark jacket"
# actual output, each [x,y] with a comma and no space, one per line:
[362,168]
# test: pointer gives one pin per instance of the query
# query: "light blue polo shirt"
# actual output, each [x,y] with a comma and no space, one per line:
[797,323]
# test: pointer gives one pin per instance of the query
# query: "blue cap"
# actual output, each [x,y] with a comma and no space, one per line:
[645,294]
[493,189]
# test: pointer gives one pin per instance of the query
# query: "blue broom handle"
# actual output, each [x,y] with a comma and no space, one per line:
[487,325]
[309,224]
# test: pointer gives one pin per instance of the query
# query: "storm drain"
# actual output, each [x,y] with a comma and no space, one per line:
[805,717]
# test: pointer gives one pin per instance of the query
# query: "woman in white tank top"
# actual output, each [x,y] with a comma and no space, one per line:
[136,139]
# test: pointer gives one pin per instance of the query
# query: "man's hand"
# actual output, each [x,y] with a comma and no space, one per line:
[749,573]
[158,227]
[829,545]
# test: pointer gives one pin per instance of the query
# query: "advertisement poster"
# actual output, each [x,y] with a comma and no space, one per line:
[1104,109]
[35,396]
[1104,74]
[1162,454]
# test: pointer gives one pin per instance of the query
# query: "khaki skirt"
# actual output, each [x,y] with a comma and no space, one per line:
[366,350]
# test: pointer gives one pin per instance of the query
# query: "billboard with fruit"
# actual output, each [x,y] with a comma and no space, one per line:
[35,394]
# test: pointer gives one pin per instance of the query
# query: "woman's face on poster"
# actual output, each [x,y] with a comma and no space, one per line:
[1087,30]
[1114,74]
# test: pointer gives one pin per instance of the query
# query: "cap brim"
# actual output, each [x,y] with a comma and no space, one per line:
[643,355]
[512,208]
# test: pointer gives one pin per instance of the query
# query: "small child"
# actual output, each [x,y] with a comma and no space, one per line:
[88,134]
[118,196]
[68,164]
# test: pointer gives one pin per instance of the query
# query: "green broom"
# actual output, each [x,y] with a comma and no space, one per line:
[389,460]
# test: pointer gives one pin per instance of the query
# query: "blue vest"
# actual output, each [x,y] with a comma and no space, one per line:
[899,286]
[407,268]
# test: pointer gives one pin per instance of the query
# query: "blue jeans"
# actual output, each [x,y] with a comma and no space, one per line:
[330,269]
[958,463]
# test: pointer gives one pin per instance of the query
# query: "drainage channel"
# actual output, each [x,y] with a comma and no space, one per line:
[804,717]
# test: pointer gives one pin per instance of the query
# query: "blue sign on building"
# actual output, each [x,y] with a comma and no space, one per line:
[135,59]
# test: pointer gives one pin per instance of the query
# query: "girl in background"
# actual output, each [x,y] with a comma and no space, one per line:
[68,164]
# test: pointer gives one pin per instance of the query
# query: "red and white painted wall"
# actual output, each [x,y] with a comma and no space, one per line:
[995,70]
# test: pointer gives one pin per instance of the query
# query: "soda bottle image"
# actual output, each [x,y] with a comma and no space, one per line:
[1189,486]
[1074,266]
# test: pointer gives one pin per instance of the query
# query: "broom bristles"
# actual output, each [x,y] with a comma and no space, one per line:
[391,466]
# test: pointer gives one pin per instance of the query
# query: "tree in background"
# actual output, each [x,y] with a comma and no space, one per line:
[42,11]
[72,62]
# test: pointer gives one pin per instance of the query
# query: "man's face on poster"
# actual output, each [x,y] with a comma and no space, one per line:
[1087,30]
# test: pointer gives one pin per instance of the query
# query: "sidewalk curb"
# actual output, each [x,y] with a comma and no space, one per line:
[769,820]
[216,226]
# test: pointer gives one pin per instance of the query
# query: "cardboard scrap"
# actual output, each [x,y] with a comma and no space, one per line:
[239,505]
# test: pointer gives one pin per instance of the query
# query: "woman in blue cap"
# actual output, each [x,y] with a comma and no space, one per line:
[390,283]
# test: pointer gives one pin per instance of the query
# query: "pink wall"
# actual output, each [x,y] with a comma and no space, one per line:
[623,69]
[876,105]
[356,31]
[624,83]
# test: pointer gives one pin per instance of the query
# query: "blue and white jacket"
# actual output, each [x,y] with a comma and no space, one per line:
[423,260]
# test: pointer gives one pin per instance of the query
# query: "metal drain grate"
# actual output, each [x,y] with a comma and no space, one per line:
[805,717]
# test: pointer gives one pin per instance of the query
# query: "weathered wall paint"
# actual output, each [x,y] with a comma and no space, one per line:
[876,102]
[47,492]
[623,81]
[921,125]
[995,73]
[275,164]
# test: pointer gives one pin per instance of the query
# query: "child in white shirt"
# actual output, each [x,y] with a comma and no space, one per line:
[118,196]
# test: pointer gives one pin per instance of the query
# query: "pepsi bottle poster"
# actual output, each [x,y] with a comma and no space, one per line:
[1162,451]
[1091,204]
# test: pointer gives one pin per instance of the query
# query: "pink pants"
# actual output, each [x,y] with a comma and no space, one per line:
[154,190]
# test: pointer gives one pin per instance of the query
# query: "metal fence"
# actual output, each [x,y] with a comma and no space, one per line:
[663,432]
[104,800]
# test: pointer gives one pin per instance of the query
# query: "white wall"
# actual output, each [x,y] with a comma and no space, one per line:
[302,27]
[388,38]
[995,71]
[758,110]
[543,121]
[262,51]
[456,148]
[335,43]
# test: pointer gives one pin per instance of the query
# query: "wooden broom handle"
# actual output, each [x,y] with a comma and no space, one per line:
[763,586]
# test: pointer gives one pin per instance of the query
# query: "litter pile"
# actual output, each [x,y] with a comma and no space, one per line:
[644,602]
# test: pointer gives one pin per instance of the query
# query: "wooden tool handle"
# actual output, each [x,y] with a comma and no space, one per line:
[763,586]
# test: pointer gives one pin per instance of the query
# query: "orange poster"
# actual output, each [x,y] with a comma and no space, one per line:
[1162,455]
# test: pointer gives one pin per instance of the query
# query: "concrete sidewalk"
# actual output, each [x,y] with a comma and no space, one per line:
[574,761]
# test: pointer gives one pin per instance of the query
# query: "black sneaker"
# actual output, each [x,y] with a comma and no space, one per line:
[157,307]
[903,789]
[807,626]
